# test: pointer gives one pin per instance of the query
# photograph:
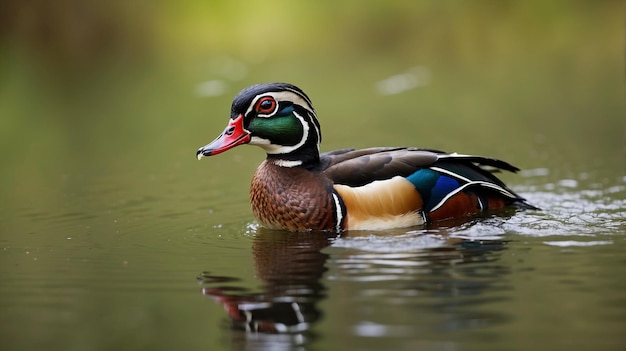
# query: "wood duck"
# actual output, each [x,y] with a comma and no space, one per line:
[298,189]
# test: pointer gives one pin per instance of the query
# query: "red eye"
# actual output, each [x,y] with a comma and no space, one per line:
[265,105]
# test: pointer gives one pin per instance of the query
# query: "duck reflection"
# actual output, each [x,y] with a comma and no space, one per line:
[290,267]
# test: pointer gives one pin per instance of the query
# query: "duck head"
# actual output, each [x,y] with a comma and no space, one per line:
[279,118]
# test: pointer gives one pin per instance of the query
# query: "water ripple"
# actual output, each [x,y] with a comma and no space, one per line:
[567,209]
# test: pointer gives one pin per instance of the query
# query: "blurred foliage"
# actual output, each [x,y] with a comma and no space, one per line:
[96,87]
[103,104]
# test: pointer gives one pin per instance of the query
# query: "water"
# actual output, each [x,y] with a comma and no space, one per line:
[157,268]
[497,283]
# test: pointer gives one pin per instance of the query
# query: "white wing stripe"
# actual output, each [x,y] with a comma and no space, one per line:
[450,173]
[480,183]
[338,213]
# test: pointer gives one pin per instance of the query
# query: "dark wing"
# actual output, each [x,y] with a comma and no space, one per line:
[485,162]
[359,167]
[437,175]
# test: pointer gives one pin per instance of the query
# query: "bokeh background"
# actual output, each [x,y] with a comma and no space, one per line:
[106,218]
[111,85]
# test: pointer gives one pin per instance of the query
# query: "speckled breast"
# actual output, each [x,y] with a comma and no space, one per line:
[291,198]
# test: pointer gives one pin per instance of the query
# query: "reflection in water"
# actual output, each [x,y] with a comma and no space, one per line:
[291,267]
[416,293]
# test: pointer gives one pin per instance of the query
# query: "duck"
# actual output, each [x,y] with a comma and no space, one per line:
[297,188]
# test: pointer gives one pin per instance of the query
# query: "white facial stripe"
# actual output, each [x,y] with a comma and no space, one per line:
[281,96]
[266,145]
[255,140]
[296,98]
[293,97]
[317,131]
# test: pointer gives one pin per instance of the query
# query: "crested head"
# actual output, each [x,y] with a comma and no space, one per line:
[243,102]
[279,118]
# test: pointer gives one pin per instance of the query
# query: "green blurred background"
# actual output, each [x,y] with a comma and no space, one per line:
[97,87]
[106,217]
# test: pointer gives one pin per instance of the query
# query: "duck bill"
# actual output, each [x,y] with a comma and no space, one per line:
[233,135]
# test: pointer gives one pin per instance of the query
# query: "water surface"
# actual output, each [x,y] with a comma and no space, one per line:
[120,268]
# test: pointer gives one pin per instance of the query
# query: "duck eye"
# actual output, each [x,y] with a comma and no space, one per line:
[265,105]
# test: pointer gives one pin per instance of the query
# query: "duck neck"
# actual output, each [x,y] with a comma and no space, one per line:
[302,157]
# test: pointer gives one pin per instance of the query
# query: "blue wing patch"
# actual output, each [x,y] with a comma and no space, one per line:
[433,186]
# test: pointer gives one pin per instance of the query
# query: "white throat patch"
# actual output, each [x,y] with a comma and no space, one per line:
[286,163]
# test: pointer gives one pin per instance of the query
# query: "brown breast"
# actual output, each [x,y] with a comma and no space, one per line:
[291,198]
